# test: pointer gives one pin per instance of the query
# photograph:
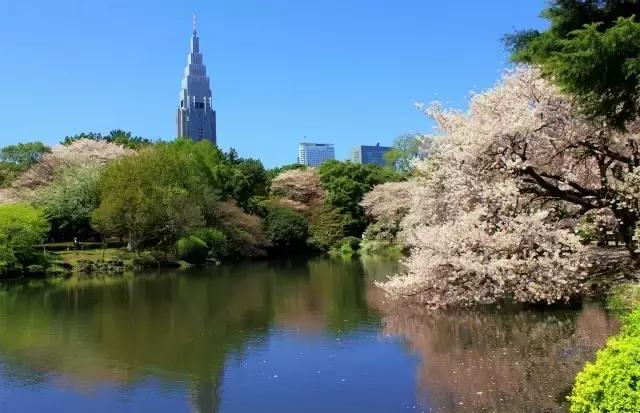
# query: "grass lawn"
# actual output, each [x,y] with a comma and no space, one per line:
[73,256]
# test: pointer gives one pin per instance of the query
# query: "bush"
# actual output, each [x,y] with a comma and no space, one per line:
[286,229]
[36,269]
[611,383]
[215,239]
[352,242]
[145,260]
[193,250]
[21,228]
[244,233]
[327,228]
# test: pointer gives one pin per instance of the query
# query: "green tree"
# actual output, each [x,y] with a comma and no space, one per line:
[70,200]
[286,229]
[21,228]
[117,136]
[591,50]
[16,158]
[23,154]
[406,149]
[327,228]
[249,182]
[158,195]
[345,184]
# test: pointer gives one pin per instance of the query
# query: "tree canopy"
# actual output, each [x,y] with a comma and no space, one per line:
[592,51]
[117,136]
[21,227]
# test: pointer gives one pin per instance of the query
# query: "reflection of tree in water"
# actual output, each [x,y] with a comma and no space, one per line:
[499,360]
[177,328]
[125,331]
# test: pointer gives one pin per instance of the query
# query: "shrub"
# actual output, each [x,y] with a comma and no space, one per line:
[244,233]
[610,384]
[286,229]
[35,269]
[215,239]
[145,260]
[193,250]
[352,242]
[21,228]
[327,228]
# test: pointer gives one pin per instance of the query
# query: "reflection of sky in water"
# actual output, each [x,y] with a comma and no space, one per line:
[53,396]
[278,337]
[360,372]
[289,372]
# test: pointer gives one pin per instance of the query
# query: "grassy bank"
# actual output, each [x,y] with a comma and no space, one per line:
[108,260]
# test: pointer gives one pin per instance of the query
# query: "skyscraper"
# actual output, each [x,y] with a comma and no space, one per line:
[365,154]
[314,154]
[196,118]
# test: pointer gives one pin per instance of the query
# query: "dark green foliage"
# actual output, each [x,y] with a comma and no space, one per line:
[611,383]
[286,229]
[117,136]
[345,184]
[193,250]
[327,228]
[216,241]
[23,154]
[21,228]
[591,50]
[248,180]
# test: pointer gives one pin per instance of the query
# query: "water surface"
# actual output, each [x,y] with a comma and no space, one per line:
[305,336]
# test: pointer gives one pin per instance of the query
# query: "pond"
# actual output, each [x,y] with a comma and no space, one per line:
[296,336]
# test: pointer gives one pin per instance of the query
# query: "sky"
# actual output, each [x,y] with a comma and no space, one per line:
[346,72]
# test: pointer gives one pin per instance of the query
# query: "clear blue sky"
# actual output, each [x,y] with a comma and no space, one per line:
[340,71]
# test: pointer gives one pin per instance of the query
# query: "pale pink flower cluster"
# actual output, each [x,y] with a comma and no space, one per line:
[81,153]
[483,220]
[388,201]
[300,189]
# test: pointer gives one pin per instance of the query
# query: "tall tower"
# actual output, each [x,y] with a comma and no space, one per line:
[196,118]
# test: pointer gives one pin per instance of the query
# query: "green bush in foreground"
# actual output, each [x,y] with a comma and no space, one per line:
[193,250]
[611,384]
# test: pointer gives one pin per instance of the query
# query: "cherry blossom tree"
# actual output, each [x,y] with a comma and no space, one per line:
[298,189]
[83,153]
[488,215]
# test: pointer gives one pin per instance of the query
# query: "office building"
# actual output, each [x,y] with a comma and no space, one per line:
[314,154]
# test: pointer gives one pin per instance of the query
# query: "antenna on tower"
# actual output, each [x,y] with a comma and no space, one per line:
[195,23]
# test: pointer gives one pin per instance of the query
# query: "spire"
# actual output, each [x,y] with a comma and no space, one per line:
[195,42]
[195,24]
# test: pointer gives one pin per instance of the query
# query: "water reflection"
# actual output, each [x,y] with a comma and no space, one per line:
[195,341]
[169,326]
[500,359]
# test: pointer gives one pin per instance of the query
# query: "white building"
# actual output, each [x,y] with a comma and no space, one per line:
[314,154]
[196,118]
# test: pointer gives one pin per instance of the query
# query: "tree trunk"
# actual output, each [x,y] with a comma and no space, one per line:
[627,222]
